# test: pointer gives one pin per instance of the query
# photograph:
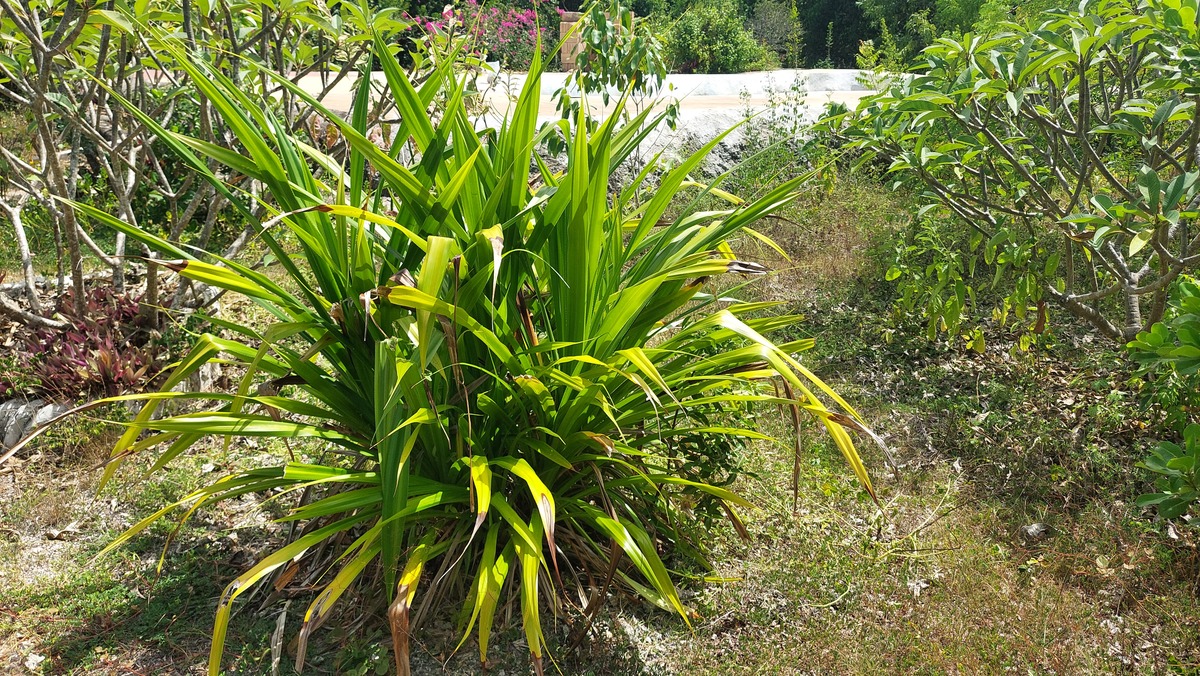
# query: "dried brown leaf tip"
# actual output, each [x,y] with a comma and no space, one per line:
[748,268]
[404,278]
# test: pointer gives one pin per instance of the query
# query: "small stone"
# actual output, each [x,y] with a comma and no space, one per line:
[1035,531]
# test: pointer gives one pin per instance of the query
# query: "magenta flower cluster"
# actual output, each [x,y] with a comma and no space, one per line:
[508,35]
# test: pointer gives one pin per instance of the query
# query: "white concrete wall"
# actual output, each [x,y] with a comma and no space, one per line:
[755,84]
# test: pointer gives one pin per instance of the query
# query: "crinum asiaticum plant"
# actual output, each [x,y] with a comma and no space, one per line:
[507,367]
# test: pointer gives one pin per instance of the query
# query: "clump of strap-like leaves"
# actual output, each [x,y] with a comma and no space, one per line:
[510,371]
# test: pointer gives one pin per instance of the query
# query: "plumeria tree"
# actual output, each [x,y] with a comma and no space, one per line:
[79,71]
[1066,150]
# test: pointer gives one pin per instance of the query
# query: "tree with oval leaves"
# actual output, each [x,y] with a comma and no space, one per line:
[1067,147]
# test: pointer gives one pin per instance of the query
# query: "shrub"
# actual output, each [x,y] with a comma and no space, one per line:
[1169,356]
[618,55]
[711,38]
[513,375]
[1178,468]
[619,52]
[1174,343]
[508,35]
[772,145]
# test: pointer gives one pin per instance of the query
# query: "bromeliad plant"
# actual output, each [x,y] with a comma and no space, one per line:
[105,350]
[508,371]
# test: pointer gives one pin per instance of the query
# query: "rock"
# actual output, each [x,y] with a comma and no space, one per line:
[45,414]
[18,419]
[6,411]
[203,378]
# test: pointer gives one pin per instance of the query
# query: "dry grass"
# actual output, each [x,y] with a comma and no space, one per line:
[828,235]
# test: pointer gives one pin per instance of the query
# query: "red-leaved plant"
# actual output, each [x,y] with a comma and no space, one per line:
[106,351]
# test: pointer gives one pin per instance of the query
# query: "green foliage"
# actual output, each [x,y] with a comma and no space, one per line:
[880,63]
[933,267]
[514,375]
[617,54]
[711,37]
[957,16]
[993,15]
[1169,356]
[911,19]
[776,24]
[917,23]
[838,19]
[1173,344]
[651,8]
[1062,149]
[771,145]
[1179,470]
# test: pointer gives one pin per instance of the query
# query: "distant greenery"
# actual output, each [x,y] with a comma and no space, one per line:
[711,38]
[776,25]
[740,35]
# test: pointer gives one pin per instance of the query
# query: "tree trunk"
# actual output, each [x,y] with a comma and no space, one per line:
[1133,315]
[14,214]
[118,270]
[64,215]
